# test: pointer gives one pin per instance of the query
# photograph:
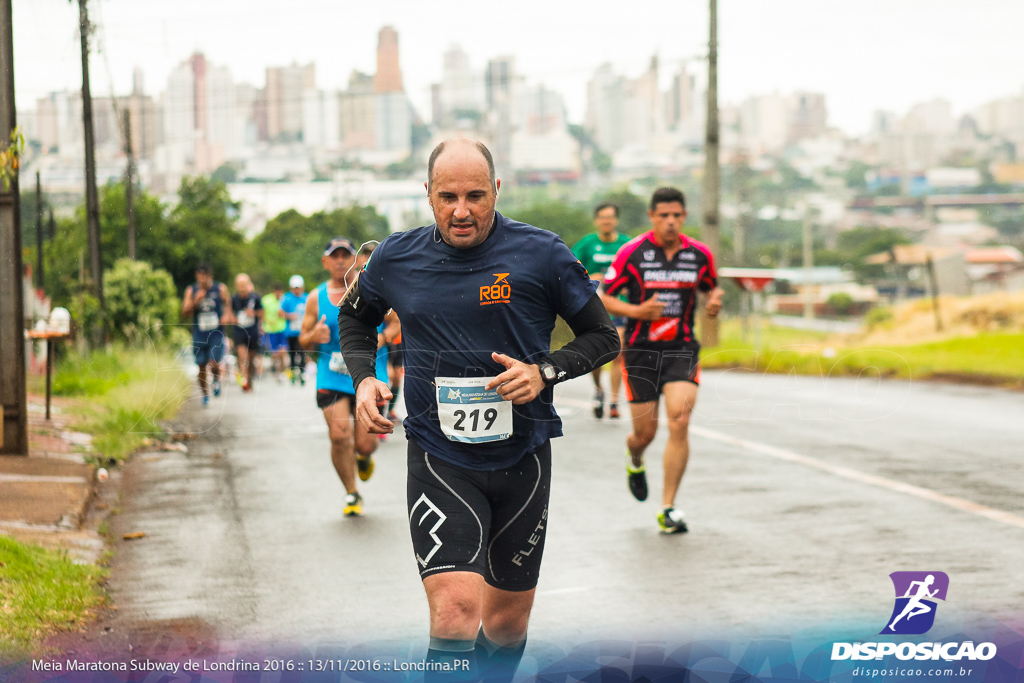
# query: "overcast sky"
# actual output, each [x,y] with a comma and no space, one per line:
[863,54]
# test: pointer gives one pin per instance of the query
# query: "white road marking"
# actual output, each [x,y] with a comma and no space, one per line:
[961,504]
[42,479]
[562,591]
[34,527]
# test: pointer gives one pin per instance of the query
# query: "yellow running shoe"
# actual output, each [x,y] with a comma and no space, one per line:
[353,505]
[364,467]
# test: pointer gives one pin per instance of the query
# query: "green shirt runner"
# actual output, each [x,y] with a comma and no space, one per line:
[273,321]
[595,254]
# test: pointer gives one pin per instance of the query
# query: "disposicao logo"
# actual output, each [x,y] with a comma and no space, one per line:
[913,614]
[916,595]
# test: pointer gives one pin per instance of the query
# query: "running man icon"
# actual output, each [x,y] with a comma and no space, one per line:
[915,606]
[916,593]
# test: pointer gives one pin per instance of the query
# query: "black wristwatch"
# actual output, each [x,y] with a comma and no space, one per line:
[548,373]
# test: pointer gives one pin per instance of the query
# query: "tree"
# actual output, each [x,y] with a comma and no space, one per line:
[201,228]
[858,243]
[142,302]
[632,210]
[568,222]
[225,173]
[293,244]
[855,176]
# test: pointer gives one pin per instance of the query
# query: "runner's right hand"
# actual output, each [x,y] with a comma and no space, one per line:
[322,333]
[650,309]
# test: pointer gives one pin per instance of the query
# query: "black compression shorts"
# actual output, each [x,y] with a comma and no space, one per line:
[646,371]
[395,357]
[248,338]
[491,523]
[325,398]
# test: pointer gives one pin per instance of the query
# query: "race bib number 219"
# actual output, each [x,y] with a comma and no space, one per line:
[471,414]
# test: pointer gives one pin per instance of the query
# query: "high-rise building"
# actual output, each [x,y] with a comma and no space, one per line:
[393,123]
[1003,117]
[201,127]
[285,86]
[199,90]
[808,117]
[501,88]
[541,111]
[932,118]
[321,123]
[59,123]
[462,88]
[920,139]
[357,113]
[764,122]
[221,133]
[499,81]
[644,108]
[142,111]
[679,101]
[179,106]
[248,109]
[389,73]
[606,109]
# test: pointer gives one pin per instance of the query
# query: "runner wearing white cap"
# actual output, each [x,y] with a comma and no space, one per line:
[293,307]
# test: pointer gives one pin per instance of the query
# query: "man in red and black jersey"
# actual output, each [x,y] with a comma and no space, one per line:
[661,273]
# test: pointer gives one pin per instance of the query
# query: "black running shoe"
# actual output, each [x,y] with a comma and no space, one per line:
[598,404]
[636,477]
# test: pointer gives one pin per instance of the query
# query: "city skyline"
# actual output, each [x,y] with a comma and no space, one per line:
[910,43]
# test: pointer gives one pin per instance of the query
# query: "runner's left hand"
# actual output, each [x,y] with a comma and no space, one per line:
[371,394]
[520,383]
[714,304]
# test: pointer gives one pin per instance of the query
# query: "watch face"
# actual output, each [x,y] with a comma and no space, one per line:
[548,372]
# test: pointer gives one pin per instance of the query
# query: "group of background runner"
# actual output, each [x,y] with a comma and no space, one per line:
[258,325]
[290,325]
[652,284]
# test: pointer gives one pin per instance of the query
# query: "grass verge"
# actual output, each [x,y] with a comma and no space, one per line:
[124,394]
[995,358]
[991,358]
[132,390]
[41,592]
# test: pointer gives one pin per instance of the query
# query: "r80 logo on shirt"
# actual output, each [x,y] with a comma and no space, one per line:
[498,293]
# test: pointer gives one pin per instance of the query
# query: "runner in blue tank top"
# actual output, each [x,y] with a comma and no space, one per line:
[477,294]
[351,447]
[206,301]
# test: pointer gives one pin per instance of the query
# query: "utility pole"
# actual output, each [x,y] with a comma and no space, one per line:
[808,264]
[14,409]
[40,278]
[934,286]
[712,173]
[129,182]
[742,234]
[92,202]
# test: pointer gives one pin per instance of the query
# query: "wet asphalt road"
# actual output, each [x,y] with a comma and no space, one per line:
[802,495]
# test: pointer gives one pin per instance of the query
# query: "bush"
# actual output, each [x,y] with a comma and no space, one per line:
[840,302]
[141,301]
[878,317]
